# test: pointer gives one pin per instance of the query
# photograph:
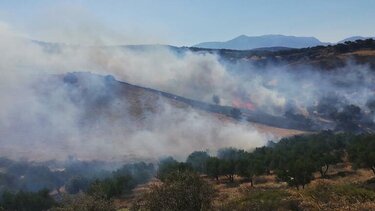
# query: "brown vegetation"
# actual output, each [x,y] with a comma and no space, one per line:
[343,189]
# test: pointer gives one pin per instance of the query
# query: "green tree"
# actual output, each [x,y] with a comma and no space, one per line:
[213,167]
[323,150]
[324,160]
[111,187]
[265,155]
[228,161]
[169,165]
[77,184]
[197,160]
[228,169]
[27,201]
[249,166]
[298,173]
[141,172]
[362,152]
[216,99]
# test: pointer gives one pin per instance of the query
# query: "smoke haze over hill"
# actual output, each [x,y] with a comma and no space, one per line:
[46,116]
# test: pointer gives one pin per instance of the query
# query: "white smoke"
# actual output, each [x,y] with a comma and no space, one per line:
[45,129]
[40,121]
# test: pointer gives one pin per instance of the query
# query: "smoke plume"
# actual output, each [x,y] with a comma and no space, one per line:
[44,114]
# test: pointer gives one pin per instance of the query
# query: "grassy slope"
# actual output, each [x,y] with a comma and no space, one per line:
[344,189]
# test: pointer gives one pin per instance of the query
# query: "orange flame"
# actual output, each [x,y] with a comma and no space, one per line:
[238,103]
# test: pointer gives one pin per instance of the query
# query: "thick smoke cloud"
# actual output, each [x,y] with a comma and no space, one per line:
[200,76]
[274,90]
[55,124]
[43,116]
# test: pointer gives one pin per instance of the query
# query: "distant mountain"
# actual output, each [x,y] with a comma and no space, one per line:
[244,42]
[354,38]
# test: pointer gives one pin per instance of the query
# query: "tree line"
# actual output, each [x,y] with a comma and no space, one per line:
[294,160]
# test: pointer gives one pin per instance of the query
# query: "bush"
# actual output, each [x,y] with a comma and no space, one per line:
[180,191]
[170,165]
[111,187]
[77,184]
[83,202]
[213,167]
[141,172]
[27,201]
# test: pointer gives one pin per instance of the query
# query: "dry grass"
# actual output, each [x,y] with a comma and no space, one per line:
[277,132]
[362,53]
[325,195]
[344,189]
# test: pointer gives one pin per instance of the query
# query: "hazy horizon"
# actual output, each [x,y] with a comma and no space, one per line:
[183,23]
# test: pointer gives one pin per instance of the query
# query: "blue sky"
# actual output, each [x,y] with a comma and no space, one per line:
[186,22]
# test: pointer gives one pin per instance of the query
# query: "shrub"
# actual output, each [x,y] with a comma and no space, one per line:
[84,202]
[180,191]
[27,201]
[77,184]
[170,165]
[111,187]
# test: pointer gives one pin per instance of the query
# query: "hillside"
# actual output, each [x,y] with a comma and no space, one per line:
[339,192]
[320,171]
[320,57]
[95,96]
[138,101]
[82,110]
[279,182]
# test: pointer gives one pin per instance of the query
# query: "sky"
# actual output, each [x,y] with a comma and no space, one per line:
[184,22]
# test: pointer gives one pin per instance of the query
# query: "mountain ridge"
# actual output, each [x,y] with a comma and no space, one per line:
[244,42]
[354,38]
